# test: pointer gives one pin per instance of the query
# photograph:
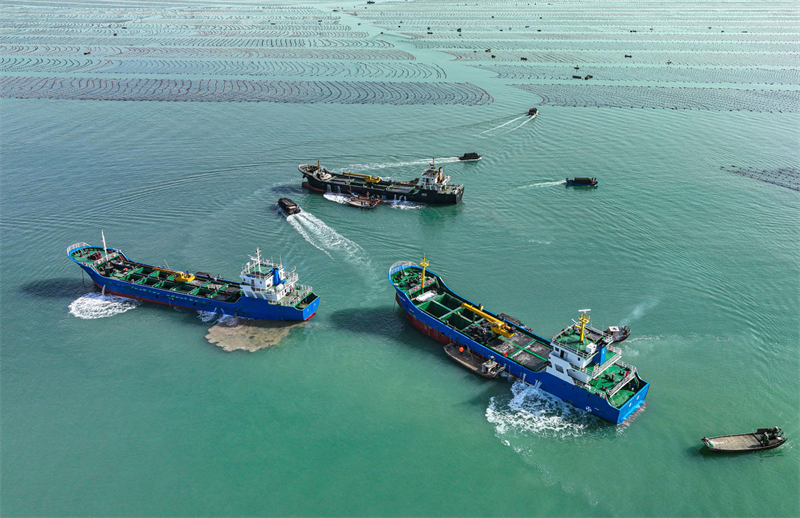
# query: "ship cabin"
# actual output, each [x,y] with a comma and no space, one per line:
[433,179]
[595,366]
[263,279]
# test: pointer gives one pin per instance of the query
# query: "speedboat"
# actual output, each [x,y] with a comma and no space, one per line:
[470,157]
[582,181]
[533,112]
[288,206]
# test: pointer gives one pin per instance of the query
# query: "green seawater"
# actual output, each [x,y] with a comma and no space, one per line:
[355,413]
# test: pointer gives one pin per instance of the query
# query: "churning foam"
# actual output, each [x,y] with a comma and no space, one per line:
[97,305]
[217,318]
[405,205]
[338,198]
[533,411]
[324,238]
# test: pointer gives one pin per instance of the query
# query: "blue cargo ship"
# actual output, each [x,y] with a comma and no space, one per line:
[578,365]
[265,290]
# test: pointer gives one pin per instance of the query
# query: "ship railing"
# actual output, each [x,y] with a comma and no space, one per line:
[621,384]
[300,292]
[428,282]
[106,258]
[70,248]
[401,265]
[599,369]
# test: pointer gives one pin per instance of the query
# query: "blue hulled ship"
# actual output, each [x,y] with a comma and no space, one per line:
[578,365]
[265,290]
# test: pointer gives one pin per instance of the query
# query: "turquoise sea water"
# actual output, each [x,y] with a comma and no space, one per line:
[355,413]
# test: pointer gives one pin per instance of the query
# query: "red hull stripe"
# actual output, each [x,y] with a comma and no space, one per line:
[308,186]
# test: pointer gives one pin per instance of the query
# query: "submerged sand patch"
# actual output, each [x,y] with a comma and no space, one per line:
[245,335]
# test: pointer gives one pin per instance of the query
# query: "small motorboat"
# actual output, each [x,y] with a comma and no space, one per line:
[615,333]
[581,181]
[462,355]
[533,112]
[288,206]
[362,201]
[762,439]
[470,157]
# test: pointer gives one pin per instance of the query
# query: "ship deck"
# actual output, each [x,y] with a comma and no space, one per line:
[445,306]
[122,269]
[522,347]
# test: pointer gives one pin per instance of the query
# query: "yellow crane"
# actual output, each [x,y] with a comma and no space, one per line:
[498,326]
[367,177]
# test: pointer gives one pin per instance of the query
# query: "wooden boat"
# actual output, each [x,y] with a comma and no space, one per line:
[363,202]
[762,439]
[582,181]
[469,157]
[288,206]
[462,355]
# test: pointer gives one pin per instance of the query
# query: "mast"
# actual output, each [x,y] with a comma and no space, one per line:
[105,252]
[583,320]
[424,265]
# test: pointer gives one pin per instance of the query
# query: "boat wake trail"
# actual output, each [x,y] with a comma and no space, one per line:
[504,124]
[338,198]
[97,305]
[386,165]
[521,125]
[639,310]
[531,411]
[326,239]
[542,184]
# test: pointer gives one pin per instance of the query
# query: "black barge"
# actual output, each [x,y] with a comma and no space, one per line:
[432,187]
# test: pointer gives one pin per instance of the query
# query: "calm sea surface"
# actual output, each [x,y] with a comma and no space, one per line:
[116,409]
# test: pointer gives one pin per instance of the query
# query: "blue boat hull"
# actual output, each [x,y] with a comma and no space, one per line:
[570,393]
[245,307]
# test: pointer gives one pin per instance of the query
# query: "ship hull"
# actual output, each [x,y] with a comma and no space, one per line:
[406,194]
[542,380]
[245,307]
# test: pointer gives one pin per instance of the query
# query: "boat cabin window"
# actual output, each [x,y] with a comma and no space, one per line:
[559,369]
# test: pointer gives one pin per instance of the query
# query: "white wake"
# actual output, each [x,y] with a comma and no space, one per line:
[532,411]
[504,124]
[338,198]
[386,165]
[542,184]
[521,125]
[97,305]
[326,239]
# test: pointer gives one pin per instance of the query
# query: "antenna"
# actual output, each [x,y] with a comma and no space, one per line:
[424,265]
